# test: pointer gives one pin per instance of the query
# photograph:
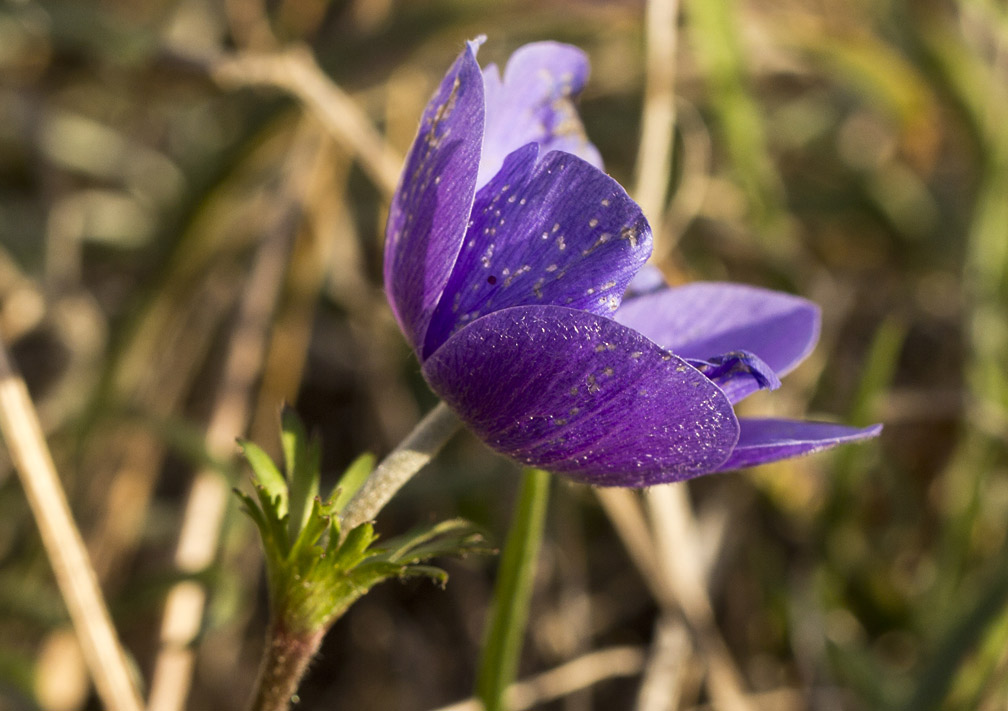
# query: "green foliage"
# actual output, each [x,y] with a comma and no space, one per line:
[315,569]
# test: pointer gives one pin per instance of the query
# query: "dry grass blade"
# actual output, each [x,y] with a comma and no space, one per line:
[577,674]
[294,70]
[669,562]
[63,543]
[676,539]
[661,689]
[625,514]
[654,156]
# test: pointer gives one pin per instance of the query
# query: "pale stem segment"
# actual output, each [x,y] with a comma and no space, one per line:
[412,455]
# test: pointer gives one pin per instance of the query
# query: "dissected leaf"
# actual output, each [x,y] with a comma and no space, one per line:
[314,573]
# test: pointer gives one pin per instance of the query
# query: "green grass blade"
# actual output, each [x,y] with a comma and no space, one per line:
[959,642]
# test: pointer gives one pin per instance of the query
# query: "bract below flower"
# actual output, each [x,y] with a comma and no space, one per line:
[508,254]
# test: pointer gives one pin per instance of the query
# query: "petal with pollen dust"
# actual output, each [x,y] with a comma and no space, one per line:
[767,440]
[581,395]
[535,103]
[430,208]
[554,231]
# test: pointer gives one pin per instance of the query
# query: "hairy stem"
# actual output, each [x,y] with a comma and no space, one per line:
[285,662]
[419,447]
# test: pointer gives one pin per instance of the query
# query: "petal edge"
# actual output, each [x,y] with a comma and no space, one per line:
[431,205]
[768,440]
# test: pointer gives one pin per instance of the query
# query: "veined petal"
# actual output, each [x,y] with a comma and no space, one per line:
[702,320]
[768,440]
[554,231]
[581,395]
[535,103]
[430,209]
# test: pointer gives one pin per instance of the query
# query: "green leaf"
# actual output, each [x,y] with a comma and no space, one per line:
[316,525]
[302,458]
[250,507]
[436,574]
[352,551]
[277,523]
[314,574]
[266,474]
[352,480]
[452,537]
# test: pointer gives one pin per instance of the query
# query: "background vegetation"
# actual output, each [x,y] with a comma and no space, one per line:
[190,233]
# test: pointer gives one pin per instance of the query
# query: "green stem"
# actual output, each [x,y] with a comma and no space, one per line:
[284,663]
[509,613]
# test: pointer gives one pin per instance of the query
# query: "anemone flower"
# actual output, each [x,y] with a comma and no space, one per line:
[508,255]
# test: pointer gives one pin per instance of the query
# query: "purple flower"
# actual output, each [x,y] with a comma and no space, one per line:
[507,257]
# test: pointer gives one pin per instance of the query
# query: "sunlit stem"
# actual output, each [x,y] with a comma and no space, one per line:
[419,447]
[513,591]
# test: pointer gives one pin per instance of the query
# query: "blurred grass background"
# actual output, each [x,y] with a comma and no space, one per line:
[852,152]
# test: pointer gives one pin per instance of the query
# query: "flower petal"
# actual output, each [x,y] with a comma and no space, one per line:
[581,395]
[737,373]
[430,209]
[535,102]
[702,320]
[648,280]
[554,231]
[769,440]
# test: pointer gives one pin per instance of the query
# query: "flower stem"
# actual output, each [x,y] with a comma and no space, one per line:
[426,439]
[509,613]
[285,662]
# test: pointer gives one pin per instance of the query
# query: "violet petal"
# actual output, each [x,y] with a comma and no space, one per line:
[701,320]
[535,103]
[768,440]
[737,373]
[554,231]
[430,208]
[648,280]
[581,395]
